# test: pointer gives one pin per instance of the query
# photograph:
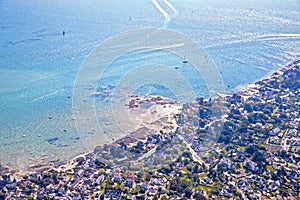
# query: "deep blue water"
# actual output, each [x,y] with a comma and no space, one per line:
[38,65]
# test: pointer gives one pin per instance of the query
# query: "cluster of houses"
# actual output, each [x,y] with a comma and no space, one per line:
[271,114]
[276,98]
[257,161]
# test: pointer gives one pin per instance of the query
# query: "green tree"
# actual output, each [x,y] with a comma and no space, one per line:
[2,195]
[258,157]
[187,154]
[199,196]
[248,107]
[251,150]
[196,168]
[186,162]
[216,189]
[188,192]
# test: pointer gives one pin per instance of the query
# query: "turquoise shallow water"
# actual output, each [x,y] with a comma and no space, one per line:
[38,65]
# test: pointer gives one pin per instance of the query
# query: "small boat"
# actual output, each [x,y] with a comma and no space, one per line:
[184,61]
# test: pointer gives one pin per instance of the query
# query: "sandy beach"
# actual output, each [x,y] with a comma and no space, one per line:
[151,114]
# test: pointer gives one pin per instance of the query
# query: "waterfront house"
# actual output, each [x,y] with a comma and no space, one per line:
[249,164]
[117,178]
[129,178]
[140,145]
[79,174]
[275,131]
[226,162]
[145,186]
[151,140]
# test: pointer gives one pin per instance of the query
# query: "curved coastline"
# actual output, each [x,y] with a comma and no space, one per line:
[88,162]
[245,91]
[245,87]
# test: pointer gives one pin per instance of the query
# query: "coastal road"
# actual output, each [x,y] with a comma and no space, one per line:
[240,191]
[149,153]
[195,156]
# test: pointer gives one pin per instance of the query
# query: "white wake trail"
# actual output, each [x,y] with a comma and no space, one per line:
[266,37]
[165,14]
[171,6]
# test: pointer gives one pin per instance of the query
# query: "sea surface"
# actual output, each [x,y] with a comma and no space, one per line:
[39,65]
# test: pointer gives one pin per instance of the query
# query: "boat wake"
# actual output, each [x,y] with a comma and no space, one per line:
[265,37]
[175,12]
[163,12]
[47,95]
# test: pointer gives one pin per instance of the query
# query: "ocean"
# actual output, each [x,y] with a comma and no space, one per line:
[39,65]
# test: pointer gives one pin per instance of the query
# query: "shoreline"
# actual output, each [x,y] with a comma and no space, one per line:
[118,170]
[163,108]
[255,86]
[246,91]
